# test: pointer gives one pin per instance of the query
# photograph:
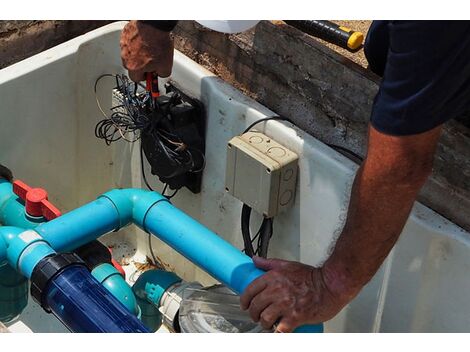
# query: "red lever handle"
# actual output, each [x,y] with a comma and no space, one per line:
[36,203]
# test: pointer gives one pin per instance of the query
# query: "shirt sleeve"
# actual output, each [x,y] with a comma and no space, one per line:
[427,76]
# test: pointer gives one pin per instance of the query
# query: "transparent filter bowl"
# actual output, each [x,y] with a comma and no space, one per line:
[215,309]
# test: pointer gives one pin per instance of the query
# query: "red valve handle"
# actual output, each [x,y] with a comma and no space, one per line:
[152,84]
[36,203]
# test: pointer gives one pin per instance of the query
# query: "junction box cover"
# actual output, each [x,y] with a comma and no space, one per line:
[261,173]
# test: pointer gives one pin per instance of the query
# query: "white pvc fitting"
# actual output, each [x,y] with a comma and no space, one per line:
[171,301]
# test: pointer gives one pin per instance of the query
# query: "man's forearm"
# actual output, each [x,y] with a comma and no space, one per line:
[382,197]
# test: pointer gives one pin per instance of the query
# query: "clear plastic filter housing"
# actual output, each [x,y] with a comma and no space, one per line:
[214,309]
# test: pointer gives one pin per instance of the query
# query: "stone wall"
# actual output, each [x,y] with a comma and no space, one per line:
[21,39]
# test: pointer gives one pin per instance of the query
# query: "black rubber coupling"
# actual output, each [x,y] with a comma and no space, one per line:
[47,269]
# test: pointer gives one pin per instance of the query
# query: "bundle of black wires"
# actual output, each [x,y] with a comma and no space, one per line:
[127,120]
[134,116]
[263,235]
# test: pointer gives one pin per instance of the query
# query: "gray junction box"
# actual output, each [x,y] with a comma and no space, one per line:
[261,173]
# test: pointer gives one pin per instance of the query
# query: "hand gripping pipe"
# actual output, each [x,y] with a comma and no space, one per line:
[155,214]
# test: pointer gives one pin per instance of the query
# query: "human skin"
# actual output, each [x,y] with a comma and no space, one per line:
[145,49]
[384,190]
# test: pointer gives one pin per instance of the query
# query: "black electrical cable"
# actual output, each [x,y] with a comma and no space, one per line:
[142,168]
[154,258]
[280,118]
[245,227]
[173,194]
[347,153]
[266,232]
[263,235]
[343,150]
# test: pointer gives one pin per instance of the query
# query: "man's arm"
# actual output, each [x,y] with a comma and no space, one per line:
[383,193]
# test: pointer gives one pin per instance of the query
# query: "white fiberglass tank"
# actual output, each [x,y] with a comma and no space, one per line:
[48,114]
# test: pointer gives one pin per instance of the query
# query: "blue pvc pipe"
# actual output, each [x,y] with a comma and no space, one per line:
[201,246]
[112,280]
[6,192]
[152,212]
[206,249]
[80,225]
[24,248]
[12,212]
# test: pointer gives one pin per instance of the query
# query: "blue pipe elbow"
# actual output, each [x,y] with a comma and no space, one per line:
[112,280]
[132,204]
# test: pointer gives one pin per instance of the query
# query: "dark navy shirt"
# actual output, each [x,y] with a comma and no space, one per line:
[425,67]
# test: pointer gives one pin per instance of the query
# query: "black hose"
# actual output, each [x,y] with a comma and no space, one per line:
[330,32]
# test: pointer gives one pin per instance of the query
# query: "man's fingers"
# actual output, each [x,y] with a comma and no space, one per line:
[259,303]
[285,325]
[136,76]
[268,264]
[269,316]
[251,291]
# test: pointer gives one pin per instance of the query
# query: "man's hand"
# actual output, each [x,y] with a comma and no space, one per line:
[289,294]
[146,49]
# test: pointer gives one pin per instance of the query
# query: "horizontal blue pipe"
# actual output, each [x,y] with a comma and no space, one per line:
[80,225]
